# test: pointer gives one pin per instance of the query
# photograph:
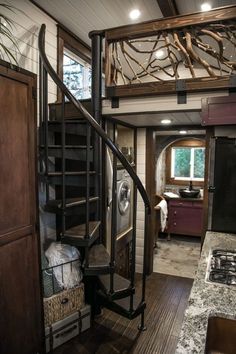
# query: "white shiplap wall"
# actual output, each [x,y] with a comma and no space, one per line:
[141,165]
[27,23]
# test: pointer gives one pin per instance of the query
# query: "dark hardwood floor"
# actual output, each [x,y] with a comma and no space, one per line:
[111,334]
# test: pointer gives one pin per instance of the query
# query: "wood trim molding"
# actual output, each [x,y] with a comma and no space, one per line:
[168,87]
[188,142]
[74,43]
[151,191]
[209,135]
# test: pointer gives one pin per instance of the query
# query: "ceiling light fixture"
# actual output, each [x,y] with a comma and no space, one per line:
[134,14]
[183,132]
[159,54]
[165,121]
[206,6]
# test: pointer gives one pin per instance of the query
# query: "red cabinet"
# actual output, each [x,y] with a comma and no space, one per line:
[185,217]
[219,110]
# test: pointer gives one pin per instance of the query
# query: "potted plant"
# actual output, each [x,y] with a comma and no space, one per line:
[6,33]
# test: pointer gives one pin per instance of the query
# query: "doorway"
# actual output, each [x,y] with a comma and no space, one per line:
[177,249]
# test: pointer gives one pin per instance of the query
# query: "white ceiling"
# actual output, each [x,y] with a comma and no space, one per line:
[83,16]
[190,6]
[154,119]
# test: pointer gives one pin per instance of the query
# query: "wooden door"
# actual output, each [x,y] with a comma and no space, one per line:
[20,300]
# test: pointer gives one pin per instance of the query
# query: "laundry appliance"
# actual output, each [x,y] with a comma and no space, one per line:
[124,197]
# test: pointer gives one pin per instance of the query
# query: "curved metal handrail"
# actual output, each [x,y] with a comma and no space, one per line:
[90,119]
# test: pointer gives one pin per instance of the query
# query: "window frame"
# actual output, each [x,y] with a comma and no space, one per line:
[86,67]
[67,40]
[185,143]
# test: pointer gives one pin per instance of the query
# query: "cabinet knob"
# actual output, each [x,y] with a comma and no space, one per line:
[175,212]
[175,223]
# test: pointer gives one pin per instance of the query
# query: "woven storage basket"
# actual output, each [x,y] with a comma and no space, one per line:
[63,304]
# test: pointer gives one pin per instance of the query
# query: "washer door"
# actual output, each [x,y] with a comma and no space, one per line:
[123,197]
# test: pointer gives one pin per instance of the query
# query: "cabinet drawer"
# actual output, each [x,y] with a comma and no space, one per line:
[185,203]
[186,220]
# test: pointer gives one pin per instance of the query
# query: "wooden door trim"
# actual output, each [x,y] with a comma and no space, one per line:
[151,191]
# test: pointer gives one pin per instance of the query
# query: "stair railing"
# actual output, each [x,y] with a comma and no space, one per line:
[45,69]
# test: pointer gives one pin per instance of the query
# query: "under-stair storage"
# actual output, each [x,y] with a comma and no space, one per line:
[72,164]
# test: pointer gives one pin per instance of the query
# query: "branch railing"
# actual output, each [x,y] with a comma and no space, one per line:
[197,47]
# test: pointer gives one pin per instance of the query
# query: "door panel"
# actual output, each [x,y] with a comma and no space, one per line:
[14,156]
[20,300]
[223,210]
[19,297]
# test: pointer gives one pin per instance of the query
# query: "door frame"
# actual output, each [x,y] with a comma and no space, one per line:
[151,185]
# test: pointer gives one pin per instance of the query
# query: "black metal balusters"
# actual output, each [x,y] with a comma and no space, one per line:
[63,164]
[45,120]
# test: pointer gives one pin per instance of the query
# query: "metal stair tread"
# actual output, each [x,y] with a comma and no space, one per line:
[70,202]
[68,121]
[122,306]
[119,283]
[98,256]
[125,302]
[70,173]
[79,230]
[66,146]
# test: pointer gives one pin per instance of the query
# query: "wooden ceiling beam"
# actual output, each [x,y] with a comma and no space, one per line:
[168,8]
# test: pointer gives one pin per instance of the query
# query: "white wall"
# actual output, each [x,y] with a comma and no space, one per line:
[141,166]
[27,23]
[159,103]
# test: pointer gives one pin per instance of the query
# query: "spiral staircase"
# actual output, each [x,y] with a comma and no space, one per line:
[71,144]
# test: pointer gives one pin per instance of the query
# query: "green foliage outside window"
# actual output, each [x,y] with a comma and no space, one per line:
[199,163]
[188,162]
[182,162]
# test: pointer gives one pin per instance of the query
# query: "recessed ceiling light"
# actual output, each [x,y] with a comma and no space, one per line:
[206,6]
[183,131]
[159,54]
[165,121]
[134,14]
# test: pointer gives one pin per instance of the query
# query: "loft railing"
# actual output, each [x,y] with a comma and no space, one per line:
[45,70]
[151,57]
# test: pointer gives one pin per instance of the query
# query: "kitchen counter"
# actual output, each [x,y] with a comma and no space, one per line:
[206,299]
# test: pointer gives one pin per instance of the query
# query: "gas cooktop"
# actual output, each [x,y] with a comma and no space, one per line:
[223,267]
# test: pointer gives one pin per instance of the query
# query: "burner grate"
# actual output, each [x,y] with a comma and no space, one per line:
[223,267]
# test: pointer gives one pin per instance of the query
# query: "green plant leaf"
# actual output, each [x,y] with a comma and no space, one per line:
[9,36]
[8,53]
[8,21]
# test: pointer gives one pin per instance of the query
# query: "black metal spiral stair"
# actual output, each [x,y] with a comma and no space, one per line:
[71,142]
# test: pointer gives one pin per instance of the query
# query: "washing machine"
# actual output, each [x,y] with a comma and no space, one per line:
[124,198]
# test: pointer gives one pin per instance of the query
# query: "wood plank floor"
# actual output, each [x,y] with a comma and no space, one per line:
[111,334]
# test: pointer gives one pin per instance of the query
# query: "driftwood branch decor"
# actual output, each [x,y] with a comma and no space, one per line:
[191,52]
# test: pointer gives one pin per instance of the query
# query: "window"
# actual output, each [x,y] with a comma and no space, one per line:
[76,75]
[187,163]
[74,64]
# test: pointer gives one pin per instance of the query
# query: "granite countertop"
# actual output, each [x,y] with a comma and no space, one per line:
[206,299]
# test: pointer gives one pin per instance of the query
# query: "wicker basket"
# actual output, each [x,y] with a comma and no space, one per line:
[63,304]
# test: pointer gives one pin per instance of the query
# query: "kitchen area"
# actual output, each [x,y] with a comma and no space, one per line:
[209,324]
[210,318]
